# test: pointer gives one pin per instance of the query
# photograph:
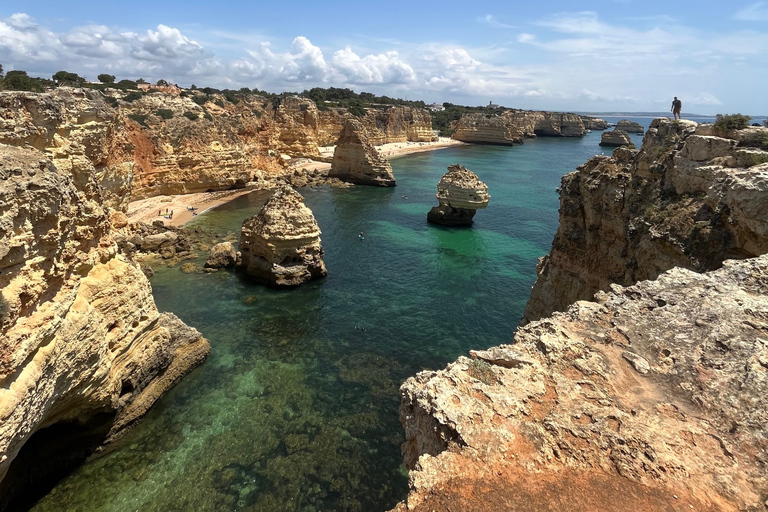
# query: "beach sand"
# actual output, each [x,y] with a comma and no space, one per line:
[146,210]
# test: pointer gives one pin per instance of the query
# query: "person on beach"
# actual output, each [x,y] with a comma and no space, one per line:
[677,106]
[171,214]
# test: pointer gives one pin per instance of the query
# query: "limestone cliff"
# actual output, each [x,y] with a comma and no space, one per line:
[513,125]
[81,336]
[460,194]
[630,126]
[684,200]
[398,124]
[356,160]
[653,398]
[281,244]
[594,123]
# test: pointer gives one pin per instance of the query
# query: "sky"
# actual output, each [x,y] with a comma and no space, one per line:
[599,56]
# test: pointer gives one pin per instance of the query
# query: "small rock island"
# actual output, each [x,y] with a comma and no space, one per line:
[460,193]
[280,246]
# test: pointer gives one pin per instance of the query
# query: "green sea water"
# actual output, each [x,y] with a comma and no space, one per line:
[296,409]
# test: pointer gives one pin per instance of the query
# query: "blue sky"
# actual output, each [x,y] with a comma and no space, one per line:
[606,55]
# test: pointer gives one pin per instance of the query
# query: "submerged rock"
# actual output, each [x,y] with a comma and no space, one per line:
[281,244]
[356,160]
[615,138]
[460,193]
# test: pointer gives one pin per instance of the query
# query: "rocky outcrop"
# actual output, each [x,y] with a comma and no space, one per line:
[83,342]
[653,398]
[594,123]
[460,194]
[615,138]
[513,125]
[280,245]
[684,200]
[630,126]
[356,160]
[223,255]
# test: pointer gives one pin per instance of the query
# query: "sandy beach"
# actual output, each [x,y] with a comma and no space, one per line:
[154,208]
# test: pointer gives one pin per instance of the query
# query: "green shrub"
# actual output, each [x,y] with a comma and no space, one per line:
[257,113]
[758,139]
[219,103]
[208,116]
[191,116]
[19,81]
[164,113]
[731,122]
[133,96]
[482,371]
[112,102]
[106,78]
[201,99]
[142,120]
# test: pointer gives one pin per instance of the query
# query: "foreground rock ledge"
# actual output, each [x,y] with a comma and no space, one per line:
[653,398]
[460,194]
[280,245]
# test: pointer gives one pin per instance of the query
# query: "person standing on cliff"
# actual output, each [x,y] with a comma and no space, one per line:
[677,106]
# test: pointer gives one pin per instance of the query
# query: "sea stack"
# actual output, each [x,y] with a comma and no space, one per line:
[356,160]
[460,193]
[280,245]
[630,126]
[615,138]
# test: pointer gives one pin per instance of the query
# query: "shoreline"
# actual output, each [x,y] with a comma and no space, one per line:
[146,210]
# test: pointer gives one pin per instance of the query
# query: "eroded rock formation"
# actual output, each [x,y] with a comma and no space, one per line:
[684,200]
[356,160]
[398,124]
[281,244]
[82,340]
[594,123]
[630,126]
[460,194]
[513,125]
[615,138]
[653,398]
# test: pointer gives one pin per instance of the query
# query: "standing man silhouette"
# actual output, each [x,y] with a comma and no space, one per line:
[677,106]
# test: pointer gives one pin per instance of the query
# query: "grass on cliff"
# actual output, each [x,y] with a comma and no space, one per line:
[727,122]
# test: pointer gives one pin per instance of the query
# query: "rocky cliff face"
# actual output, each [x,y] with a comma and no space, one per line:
[594,123]
[653,398]
[513,125]
[356,160]
[686,199]
[82,340]
[460,194]
[398,124]
[629,126]
[281,244]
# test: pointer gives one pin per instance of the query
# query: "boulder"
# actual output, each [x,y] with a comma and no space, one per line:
[280,246]
[460,193]
[356,160]
[222,255]
[615,138]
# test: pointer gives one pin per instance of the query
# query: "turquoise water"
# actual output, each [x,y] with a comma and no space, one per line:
[296,408]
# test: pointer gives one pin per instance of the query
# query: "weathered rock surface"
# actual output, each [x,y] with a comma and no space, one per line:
[594,123]
[630,126]
[615,138]
[81,336]
[356,160]
[684,200]
[654,398]
[513,125]
[281,244]
[223,255]
[460,194]
[398,124]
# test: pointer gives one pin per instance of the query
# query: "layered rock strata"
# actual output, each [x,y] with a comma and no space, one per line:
[460,194]
[398,124]
[594,123]
[615,138]
[513,125]
[684,200]
[82,339]
[280,245]
[630,126]
[653,398]
[356,160]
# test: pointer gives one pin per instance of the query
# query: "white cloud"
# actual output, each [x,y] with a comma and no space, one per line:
[705,99]
[491,20]
[755,12]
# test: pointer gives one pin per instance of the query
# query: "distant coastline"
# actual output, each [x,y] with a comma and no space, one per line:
[655,114]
